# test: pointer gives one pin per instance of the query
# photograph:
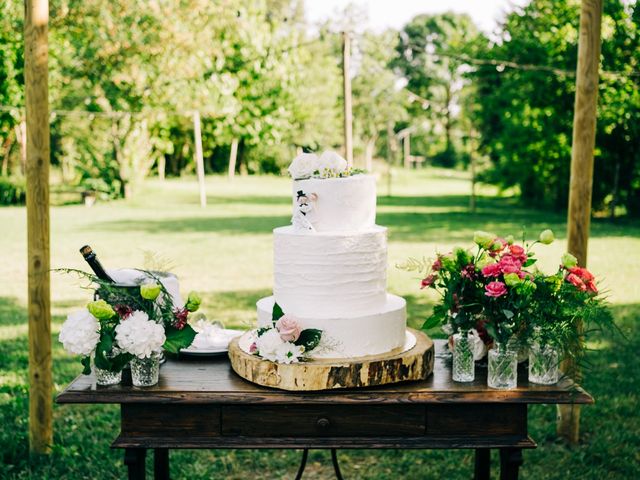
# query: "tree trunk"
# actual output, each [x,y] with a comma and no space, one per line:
[369,149]
[6,149]
[233,158]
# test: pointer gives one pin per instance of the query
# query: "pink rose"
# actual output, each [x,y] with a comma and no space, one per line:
[495,289]
[518,253]
[591,286]
[491,270]
[427,281]
[289,328]
[437,265]
[509,264]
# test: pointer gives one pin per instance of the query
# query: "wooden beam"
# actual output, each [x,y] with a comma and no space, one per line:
[197,134]
[348,115]
[581,183]
[36,52]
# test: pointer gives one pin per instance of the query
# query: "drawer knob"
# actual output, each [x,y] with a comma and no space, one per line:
[323,423]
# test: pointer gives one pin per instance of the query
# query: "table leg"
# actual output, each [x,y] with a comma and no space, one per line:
[134,459]
[161,464]
[336,464]
[482,470]
[510,461]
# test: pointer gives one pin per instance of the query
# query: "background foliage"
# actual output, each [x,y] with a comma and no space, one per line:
[125,82]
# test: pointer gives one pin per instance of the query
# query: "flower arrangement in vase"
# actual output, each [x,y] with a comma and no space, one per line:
[494,296]
[565,307]
[127,323]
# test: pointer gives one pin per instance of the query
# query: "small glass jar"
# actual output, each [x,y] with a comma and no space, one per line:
[544,362]
[104,377]
[145,371]
[503,367]
[463,364]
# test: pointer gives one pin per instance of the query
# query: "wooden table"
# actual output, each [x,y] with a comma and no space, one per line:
[204,404]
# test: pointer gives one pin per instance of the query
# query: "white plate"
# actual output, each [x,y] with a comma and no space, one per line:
[213,350]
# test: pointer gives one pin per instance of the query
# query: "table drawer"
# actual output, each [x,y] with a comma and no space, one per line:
[323,420]
[171,421]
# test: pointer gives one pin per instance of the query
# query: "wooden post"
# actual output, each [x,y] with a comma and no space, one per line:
[233,158]
[197,134]
[348,116]
[406,146]
[584,128]
[36,53]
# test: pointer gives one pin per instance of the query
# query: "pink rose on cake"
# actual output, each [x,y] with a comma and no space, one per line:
[289,328]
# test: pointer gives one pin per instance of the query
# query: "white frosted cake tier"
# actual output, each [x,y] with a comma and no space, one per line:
[339,204]
[346,336]
[330,274]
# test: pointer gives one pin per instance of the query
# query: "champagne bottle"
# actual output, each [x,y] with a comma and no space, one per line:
[91,258]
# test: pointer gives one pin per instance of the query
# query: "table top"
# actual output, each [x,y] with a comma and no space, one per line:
[211,380]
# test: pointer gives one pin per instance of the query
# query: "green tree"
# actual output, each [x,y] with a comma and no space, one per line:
[432,53]
[377,102]
[525,115]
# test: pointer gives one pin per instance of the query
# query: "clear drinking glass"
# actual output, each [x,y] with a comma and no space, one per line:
[463,364]
[145,371]
[105,377]
[544,364]
[503,367]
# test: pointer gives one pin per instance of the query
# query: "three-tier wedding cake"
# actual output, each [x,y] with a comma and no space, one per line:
[330,265]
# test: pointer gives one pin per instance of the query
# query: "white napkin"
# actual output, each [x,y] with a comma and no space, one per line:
[212,335]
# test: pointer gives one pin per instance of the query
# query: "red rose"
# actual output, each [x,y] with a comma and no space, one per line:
[583,273]
[509,264]
[495,289]
[518,253]
[577,281]
[491,270]
[437,265]
[427,281]
[591,286]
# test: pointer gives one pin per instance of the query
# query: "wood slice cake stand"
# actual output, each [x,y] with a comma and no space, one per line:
[416,363]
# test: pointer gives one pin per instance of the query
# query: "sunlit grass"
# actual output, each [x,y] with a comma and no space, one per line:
[225,252]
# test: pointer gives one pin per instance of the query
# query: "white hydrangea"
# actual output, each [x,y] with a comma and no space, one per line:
[80,333]
[268,344]
[303,166]
[140,336]
[289,353]
[330,160]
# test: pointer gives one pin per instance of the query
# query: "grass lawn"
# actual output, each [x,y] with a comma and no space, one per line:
[224,252]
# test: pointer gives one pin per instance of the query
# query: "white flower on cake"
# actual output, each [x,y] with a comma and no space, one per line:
[289,353]
[331,162]
[140,336]
[283,340]
[268,344]
[80,333]
[303,166]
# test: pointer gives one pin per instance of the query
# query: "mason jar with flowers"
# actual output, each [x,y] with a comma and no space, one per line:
[561,306]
